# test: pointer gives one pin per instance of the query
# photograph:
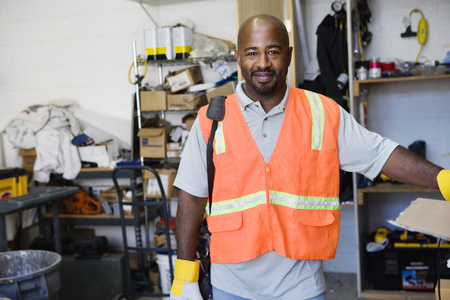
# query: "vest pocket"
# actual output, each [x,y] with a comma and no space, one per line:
[315,217]
[225,182]
[314,234]
[226,222]
[228,237]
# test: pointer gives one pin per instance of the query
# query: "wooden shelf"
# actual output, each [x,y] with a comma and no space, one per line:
[98,219]
[357,83]
[400,295]
[391,188]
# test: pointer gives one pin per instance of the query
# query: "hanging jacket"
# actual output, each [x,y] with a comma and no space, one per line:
[289,204]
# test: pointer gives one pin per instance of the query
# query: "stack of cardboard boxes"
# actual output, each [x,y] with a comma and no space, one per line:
[154,132]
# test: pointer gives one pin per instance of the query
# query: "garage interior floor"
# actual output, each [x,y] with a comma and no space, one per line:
[339,286]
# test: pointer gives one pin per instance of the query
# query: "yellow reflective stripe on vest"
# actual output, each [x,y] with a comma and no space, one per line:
[219,145]
[238,204]
[318,117]
[276,198]
[304,202]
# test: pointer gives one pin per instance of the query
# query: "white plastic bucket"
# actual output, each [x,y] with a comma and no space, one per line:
[164,272]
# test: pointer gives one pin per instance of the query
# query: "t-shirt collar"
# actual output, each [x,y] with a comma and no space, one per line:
[244,100]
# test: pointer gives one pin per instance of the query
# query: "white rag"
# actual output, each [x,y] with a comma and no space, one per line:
[49,129]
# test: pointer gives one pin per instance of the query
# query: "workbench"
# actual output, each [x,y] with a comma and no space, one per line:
[36,196]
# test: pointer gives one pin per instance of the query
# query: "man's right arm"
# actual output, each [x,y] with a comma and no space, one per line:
[190,213]
[189,218]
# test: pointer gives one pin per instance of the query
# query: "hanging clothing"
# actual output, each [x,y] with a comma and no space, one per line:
[332,57]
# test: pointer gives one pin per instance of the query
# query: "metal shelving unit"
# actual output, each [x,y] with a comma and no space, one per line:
[364,285]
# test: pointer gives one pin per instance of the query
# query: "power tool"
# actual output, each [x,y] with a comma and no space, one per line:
[81,203]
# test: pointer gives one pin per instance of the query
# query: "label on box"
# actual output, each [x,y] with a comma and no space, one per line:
[173,154]
[179,82]
[174,146]
[153,187]
[417,277]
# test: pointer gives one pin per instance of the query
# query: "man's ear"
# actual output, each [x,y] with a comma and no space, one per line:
[290,54]
[238,58]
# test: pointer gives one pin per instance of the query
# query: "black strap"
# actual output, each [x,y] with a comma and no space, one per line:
[215,112]
[209,162]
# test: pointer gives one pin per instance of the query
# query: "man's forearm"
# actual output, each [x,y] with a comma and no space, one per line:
[190,215]
[407,167]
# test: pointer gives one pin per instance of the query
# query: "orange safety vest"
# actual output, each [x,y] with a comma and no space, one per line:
[290,204]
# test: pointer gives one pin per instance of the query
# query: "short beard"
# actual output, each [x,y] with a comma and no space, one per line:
[264,88]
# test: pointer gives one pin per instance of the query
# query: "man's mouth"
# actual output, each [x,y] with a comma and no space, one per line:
[263,76]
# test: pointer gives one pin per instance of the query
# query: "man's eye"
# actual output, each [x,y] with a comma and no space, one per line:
[273,52]
[251,53]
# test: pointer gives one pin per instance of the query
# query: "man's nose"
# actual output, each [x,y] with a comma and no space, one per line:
[264,61]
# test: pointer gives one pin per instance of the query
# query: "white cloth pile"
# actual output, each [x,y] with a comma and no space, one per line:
[49,129]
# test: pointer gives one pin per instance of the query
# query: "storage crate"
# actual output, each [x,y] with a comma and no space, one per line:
[13,183]
[408,268]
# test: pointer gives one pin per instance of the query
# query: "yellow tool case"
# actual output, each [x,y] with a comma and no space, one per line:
[13,183]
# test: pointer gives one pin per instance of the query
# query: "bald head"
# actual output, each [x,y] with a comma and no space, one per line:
[255,22]
[263,55]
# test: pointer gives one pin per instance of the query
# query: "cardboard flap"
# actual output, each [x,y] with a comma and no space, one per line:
[27,152]
[155,123]
[428,216]
[150,132]
[189,116]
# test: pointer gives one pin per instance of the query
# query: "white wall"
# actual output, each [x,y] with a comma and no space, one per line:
[81,50]
[418,110]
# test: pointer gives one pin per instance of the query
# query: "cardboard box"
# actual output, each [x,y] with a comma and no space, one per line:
[182,79]
[173,150]
[153,100]
[189,120]
[153,138]
[428,216]
[167,178]
[28,159]
[223,90]
[95,154]
[445,289]
[110,196]
[185,101]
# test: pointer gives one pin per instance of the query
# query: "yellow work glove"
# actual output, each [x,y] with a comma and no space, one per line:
[443,180]
[185,283]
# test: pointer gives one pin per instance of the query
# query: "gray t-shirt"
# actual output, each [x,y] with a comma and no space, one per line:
[271,276]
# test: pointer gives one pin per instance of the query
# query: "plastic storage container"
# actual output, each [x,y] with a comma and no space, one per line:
[13,183]
[164,272]
[407,268]
[29,274]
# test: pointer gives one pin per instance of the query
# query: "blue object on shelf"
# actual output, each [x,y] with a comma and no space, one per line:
[129,163]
